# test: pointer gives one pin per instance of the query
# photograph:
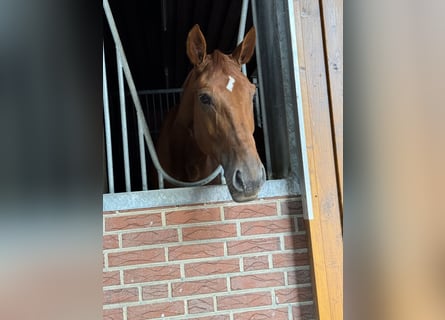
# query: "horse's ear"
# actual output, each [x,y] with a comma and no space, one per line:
[196,45]
[244,51]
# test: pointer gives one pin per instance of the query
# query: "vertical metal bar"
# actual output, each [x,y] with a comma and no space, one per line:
[142,154]
[174,99]
[262,105]
[160,108]
[107,128]
[168,104]
[123,121]
[160,180]
[257,103]
[146,103]
[242,28]
[164,15]
[223,178]
[153,103]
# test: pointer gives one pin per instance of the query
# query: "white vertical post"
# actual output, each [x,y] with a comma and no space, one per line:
[123,121]
[242,28]
[107,128]
[160,180]
[308,213]
[142,154]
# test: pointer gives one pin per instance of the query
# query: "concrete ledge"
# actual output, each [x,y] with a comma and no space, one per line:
[191,195]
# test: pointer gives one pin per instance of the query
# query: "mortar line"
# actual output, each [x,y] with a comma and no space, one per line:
[163,219]
[278,204]
[221,211]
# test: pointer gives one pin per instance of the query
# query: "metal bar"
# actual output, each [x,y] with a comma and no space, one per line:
[155,107]
[223,178]
[168,103]
[175,90]
[257,103]
[146,104]
[137,105]
[153,103]
[306,174]
[142,154]
[107,128]
[160,180]
[164,15]
[262,100]
[123,122]
[242,28]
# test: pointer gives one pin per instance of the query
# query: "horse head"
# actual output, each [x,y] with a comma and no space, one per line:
[223,120]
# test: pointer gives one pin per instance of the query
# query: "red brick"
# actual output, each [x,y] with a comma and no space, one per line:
[270,314]
[218,317]
[290,295]
[303,312]
[152,274]
[110,278]
[253,245]
[133,222]
[155,310]
[263,280]
[299,277]
[267,226]
[209,232]
[211,267]
[189,288]
[112,314]
[196,251]
[193,216]
[301,224]
[256,263]
[200,305]
[246,300]
[127,258]
[295,242]
[110,241]
[121,295]
[250,211]
[135,239]
[157,291]
[290,259]
[291,207]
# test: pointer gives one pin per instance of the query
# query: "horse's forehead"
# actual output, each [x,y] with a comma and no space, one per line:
[229,79]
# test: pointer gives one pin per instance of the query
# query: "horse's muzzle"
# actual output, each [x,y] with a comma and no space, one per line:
[246,181]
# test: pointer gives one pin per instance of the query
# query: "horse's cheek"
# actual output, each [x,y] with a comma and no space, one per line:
[211,130]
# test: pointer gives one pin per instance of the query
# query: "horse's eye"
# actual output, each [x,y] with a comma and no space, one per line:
[205,99]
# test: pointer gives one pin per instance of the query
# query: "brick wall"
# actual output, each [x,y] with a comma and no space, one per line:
[222,261]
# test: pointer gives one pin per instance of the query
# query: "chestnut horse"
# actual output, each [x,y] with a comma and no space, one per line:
[214,123]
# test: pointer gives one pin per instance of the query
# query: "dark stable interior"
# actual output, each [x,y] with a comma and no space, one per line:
[153,34]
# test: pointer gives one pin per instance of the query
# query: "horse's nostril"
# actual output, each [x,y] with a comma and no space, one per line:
[238,181]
